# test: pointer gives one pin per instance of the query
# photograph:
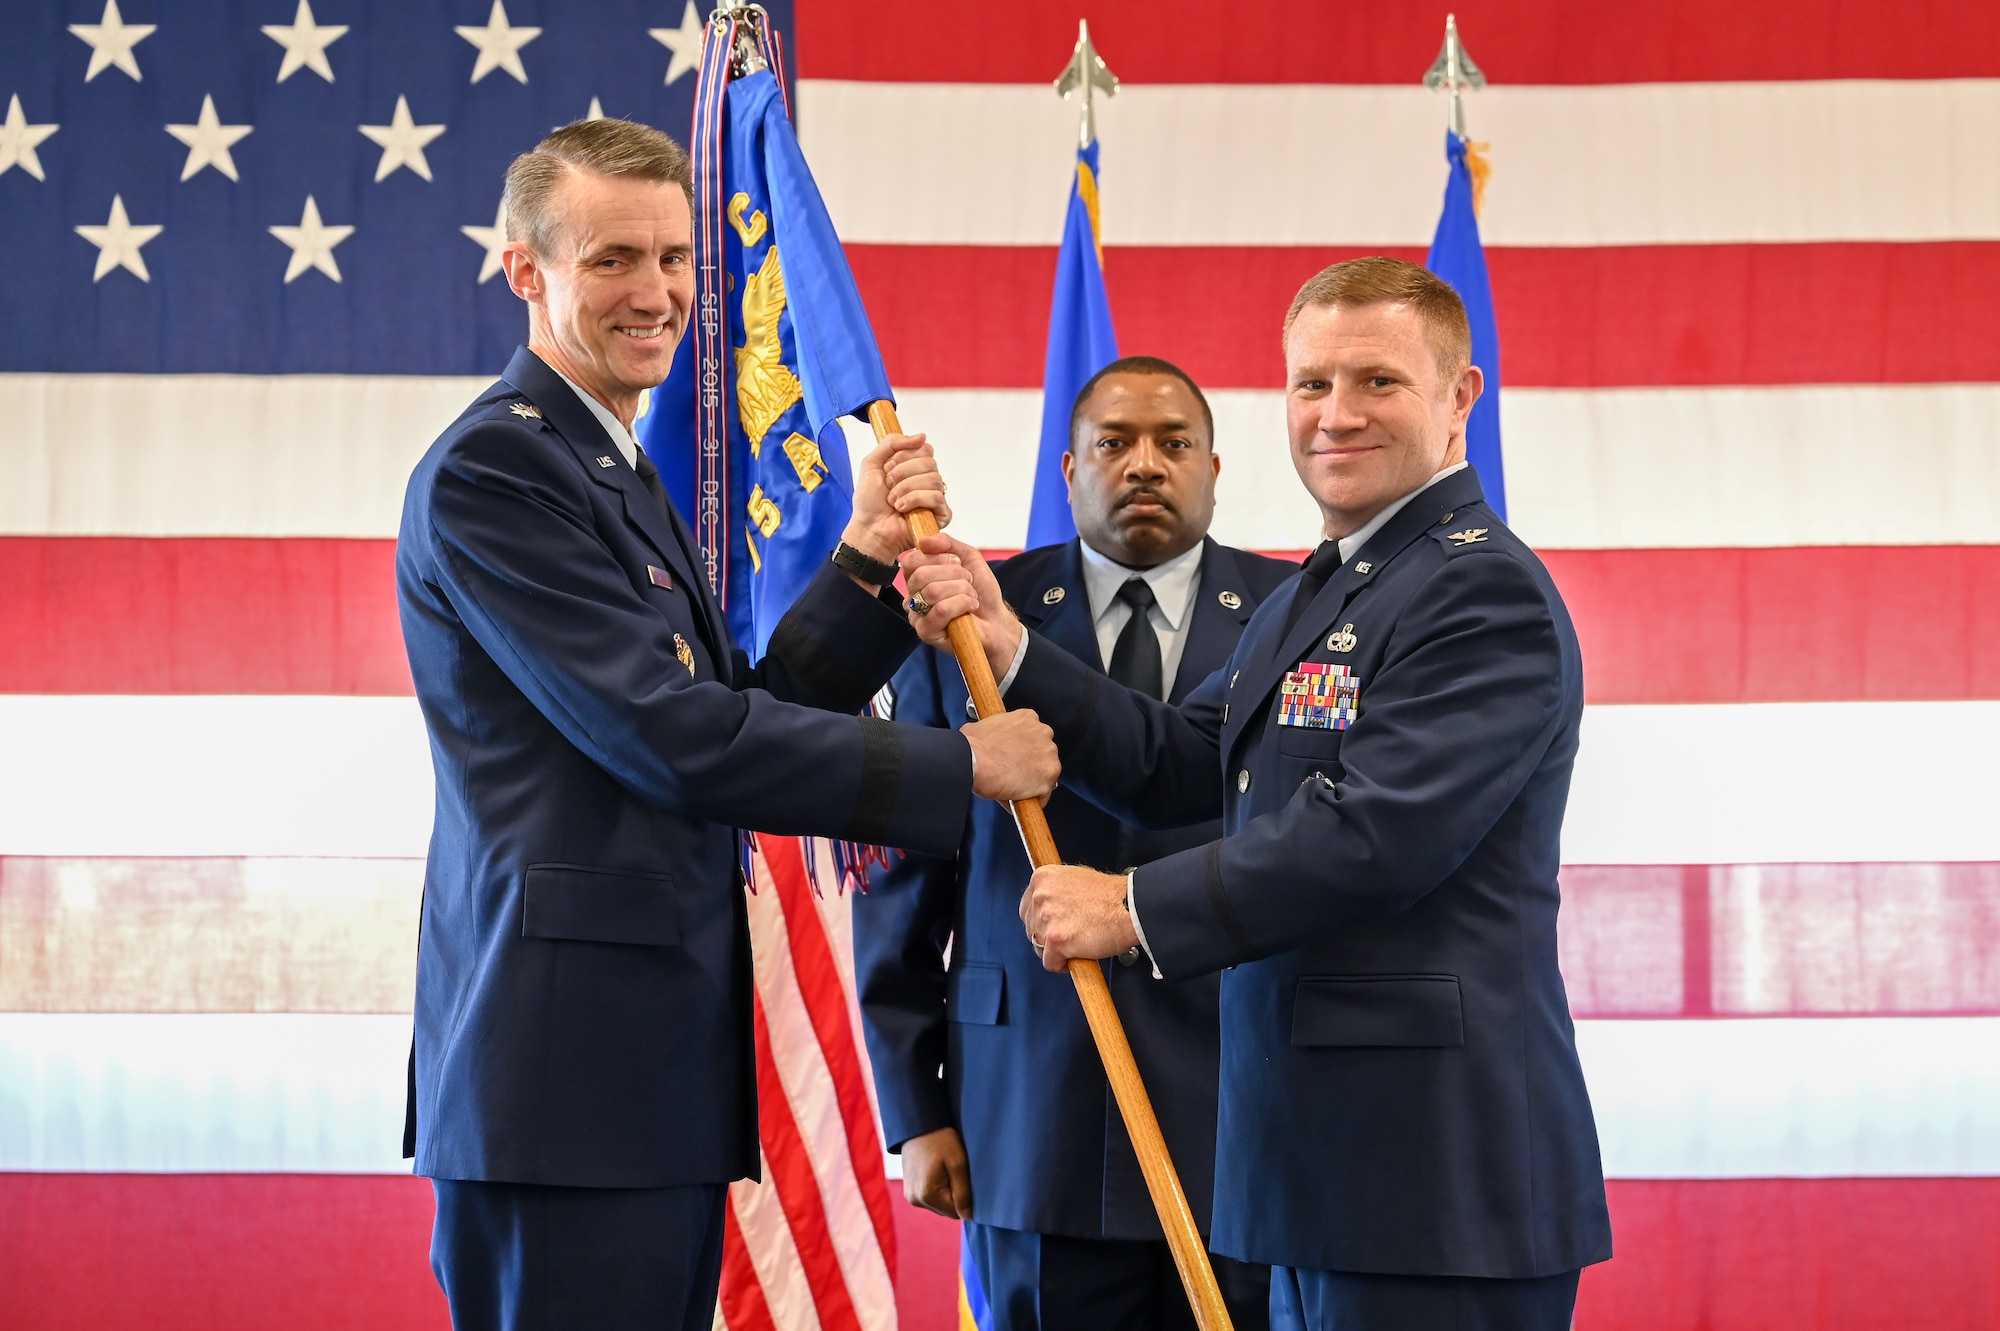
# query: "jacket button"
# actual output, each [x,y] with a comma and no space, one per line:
[1243,781]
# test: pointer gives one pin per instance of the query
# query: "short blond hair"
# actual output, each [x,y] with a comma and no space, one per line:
[604,147]
[1380,280]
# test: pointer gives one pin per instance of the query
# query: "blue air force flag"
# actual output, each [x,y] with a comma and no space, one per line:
[1081,342]
[1458,258]
[747,430]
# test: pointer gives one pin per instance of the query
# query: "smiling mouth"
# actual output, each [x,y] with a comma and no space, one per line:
[642,333]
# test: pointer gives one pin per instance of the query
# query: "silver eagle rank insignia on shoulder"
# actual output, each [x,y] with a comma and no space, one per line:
[527,411]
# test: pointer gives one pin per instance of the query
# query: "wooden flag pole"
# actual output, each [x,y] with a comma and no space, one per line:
[1183,1238]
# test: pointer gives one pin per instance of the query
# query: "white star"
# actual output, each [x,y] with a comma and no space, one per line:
[492,238]
[499,45]
[684,41]
[118,243]
[305,43]
[596,110]
[402,142]
[18,139]
[111,42]
[312,243]
[208,141]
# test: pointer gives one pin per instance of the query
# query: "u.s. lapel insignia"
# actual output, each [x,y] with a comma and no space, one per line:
[1053,596]
[606,462]
[1230,600]
[527,411]
[1470,536]
[1342,641]
[1364,567]
[685,653]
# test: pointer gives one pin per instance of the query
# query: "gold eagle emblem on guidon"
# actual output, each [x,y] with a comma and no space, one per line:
[1470,536]
[766,388]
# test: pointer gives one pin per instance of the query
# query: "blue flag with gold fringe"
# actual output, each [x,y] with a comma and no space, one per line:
[746,431]
[1081,342]
[1458,257]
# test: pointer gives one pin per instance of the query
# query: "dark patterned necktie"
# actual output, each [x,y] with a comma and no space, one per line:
[1319,566]
[1135,658]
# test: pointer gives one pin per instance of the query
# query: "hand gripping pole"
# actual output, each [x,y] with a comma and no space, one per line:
[1183,1238]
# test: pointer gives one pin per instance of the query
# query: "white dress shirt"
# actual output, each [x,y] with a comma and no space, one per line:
[1174,584]
[625,441]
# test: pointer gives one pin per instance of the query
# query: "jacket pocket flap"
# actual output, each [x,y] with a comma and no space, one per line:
[1405,1011]
[975,993]
[591,905]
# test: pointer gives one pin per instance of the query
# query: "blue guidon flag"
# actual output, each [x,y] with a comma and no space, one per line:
[747,432]
[1457,256]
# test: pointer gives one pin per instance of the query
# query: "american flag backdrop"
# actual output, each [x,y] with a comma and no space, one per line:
[1746,265]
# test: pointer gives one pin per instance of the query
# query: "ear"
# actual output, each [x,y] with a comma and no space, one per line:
[1069,465]
[1471,383]
[524,271]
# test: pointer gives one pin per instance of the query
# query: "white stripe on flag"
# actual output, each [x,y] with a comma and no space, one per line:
[216,455]
[215,1093]
[1795,1098]
[350,777]
[170,455]
[1616,164]
[270,1093]
[815,1107]
[1586,468]
[1774,783]
[774,1255]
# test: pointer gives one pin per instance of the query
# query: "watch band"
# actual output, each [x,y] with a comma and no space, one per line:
[862,566]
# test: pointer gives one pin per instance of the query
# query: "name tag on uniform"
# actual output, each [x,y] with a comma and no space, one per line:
[1319,697]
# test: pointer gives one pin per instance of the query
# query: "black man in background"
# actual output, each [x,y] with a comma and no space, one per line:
[1020,1137]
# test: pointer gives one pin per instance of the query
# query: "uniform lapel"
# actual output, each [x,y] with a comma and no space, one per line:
[1214,625]
[1066,621]
[532,378]
[1263,673]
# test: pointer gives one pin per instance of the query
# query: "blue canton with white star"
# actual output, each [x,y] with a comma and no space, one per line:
[295,186]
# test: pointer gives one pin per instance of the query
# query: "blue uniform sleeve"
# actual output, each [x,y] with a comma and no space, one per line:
[1473,690]
[1143,761]
[902,925]
[514,553]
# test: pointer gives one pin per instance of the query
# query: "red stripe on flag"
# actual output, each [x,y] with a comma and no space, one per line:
[1786,624]
[216,1252]
[798,1190]
[319,1252]
[741,1298]
[1789,624]
[1833,1254]
[825,998]
[199,615]
[1514,41]
[1579,317]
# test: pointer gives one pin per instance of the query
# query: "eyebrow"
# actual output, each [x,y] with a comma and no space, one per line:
[1174,424]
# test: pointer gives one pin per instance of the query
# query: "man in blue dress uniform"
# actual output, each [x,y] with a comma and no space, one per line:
[582,1088]
[1404,1134]
[1021,1137]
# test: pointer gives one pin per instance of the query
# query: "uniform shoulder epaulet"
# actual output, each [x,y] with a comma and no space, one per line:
[1459,531]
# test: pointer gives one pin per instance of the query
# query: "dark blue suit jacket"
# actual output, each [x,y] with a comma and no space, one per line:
[583,977]
[1401,1091]
[1023,1084]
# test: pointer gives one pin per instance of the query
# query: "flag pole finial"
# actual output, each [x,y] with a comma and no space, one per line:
[1454,71]
[746,58]
[1086,72]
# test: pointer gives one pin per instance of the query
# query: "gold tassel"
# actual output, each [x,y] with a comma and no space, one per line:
[1481,169]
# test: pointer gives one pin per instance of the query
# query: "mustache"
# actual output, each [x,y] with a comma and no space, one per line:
[1148,494]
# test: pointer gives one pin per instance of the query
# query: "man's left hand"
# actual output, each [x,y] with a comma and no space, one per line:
[897,478]
[1077,912]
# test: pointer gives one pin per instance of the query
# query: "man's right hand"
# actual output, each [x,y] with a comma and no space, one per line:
[936,1176]
[953,579]
[1014,757]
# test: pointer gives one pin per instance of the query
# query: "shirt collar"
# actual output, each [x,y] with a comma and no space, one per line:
[1352,543]
[627,444]
[1172,582]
